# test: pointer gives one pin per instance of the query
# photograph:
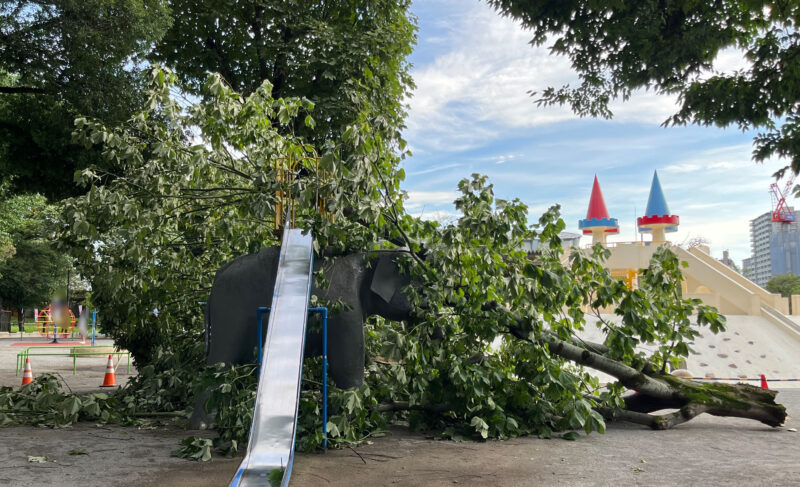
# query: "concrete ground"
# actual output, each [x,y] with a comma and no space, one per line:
[750,346]
[705,451]
[90,370]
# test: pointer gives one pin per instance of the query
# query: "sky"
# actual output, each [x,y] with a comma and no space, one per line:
[471,112]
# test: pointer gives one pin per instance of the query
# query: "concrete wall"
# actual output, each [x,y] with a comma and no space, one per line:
[705,278]
[767,298]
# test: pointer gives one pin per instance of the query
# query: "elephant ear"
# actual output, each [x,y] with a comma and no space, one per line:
[386,279]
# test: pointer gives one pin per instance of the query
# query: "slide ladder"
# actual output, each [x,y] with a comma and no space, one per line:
[272,433]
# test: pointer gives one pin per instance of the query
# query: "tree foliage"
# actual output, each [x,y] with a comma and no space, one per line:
[348,58]
[30,265]
[200,184]
[493,349]
[785,284]
[59,59]
[618,47]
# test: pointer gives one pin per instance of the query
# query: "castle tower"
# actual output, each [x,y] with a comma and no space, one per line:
[657,219]
[597,223]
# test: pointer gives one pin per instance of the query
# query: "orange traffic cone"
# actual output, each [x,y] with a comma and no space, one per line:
[27,374]
[110,379]
[764,382]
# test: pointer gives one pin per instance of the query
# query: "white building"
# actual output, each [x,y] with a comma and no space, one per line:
[775,249]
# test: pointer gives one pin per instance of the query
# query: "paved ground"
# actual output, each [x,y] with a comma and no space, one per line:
[706,451]
[89,370]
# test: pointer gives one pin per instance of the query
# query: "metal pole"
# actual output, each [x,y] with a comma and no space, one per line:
[94,320]
[325,378]
[260,343]
[69,268]
[55,325]
[324,312]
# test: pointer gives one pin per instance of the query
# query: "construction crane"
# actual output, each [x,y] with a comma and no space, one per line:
[780,210]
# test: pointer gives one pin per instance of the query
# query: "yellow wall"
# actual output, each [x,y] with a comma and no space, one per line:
[705,278]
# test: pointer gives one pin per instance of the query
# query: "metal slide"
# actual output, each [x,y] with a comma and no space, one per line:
[272,433]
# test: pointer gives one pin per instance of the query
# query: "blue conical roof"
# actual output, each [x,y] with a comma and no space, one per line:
[656,203]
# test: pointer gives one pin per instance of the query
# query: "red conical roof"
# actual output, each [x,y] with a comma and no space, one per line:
[597,205]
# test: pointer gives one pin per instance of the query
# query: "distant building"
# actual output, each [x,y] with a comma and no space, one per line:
[747,264]
[775,249]
[726,259]
[568,239]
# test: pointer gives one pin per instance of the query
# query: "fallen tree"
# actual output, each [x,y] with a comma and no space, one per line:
[474,265]
[659,391]
[493,348]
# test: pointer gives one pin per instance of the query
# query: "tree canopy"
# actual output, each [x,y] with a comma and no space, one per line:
[784,284]
[60,59]
[187,183]
[203,183]
[618,47]
[348,58]
[30,265]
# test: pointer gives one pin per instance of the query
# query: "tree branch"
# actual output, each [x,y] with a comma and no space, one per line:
[405,406]
[14,90]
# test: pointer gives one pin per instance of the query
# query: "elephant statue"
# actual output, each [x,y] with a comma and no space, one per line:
[366,283]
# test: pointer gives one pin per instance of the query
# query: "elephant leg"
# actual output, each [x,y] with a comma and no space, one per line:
[346,348]
[200,419]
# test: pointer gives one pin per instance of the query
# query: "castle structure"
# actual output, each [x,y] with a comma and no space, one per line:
[597,222]
[704,278]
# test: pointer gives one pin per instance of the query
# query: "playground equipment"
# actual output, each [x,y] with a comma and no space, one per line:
[657,219]
[367,284]
[72,351]
[272,434]
[47,326]
[597,222]
[286,169]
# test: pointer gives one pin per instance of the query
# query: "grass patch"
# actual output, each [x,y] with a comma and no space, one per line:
[28,329]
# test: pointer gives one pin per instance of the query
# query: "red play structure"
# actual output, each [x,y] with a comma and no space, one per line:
[46,325]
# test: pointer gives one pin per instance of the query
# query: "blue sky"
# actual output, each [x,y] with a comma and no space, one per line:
[471,113]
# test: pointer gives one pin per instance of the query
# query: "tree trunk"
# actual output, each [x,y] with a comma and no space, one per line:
[664,391]
[658,391]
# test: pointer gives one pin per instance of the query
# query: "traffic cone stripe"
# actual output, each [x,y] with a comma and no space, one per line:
[110,380]
[27,374]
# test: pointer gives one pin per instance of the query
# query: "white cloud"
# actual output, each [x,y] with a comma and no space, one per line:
[441,216]
[471,98]
[429,170]
[467,94]
[421,199]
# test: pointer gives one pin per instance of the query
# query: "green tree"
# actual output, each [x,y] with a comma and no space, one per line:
[61,58]
[786,285]
[203,183]
[618,47]
[32,270]
[348,58]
